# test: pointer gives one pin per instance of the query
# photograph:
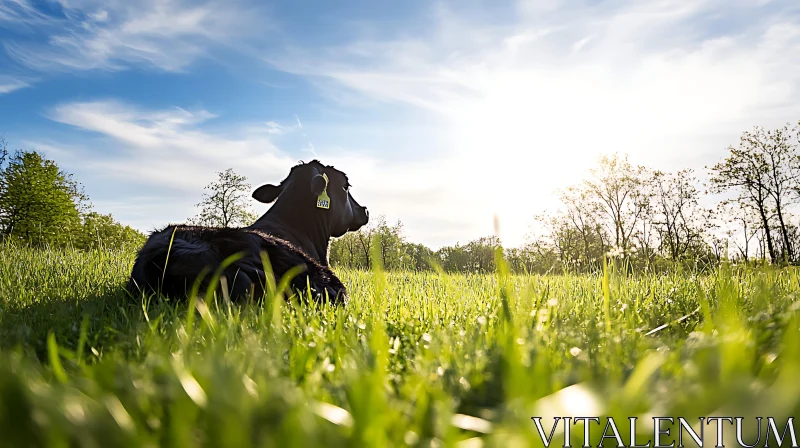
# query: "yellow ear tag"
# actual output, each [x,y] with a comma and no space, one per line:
[323,201]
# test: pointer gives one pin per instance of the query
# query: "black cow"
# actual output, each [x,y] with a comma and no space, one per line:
[311,205]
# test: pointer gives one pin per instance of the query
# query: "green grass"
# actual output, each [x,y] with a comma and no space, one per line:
[405,363]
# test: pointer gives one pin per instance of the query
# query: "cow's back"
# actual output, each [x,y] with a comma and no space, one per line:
[172,258]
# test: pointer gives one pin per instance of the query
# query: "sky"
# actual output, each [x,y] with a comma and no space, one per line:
[444,114]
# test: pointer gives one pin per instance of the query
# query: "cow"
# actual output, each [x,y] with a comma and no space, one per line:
[309,207]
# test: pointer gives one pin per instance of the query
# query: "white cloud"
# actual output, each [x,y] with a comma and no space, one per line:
[669,82]
[161,150]
[163,34]
[9,84]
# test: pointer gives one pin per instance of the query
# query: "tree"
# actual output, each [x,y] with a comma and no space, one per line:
[475,256]
[764,170]
[388,238]
[563,239]
[391,243]
[746,172]
[481,253]
[418,257]
[780,154]
[615,189]
[581,215]
[679,220]
[225,203]
[345,251]
[354,249]
[39,203]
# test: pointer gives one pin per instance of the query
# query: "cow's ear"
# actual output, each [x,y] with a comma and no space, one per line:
[267,193]
[318,184]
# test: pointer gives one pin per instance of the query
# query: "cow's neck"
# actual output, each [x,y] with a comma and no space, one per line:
[310,235]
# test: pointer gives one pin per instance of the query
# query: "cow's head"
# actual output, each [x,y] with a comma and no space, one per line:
[319,192]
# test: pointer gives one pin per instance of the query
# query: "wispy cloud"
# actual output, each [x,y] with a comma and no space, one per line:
[282,129]
[21,13]
[9,84]
[166,147]
[165,152]
[162,34]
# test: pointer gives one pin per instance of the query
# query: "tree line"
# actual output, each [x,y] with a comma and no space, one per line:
[650,219]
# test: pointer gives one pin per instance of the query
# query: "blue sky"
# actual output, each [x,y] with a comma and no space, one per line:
[443,114]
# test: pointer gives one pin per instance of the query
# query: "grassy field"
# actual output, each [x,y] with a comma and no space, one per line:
[418,359]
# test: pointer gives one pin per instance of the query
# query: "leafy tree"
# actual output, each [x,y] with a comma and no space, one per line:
[354,249]
[39,203]
[391,243]
[533,257]
[102,232]
[418,257]
[454,259]
[481,253]
[389,240]
[364,237]
[225,203]
[345,251]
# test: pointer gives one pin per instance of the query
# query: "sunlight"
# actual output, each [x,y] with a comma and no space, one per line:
[527,132]
[520,145]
